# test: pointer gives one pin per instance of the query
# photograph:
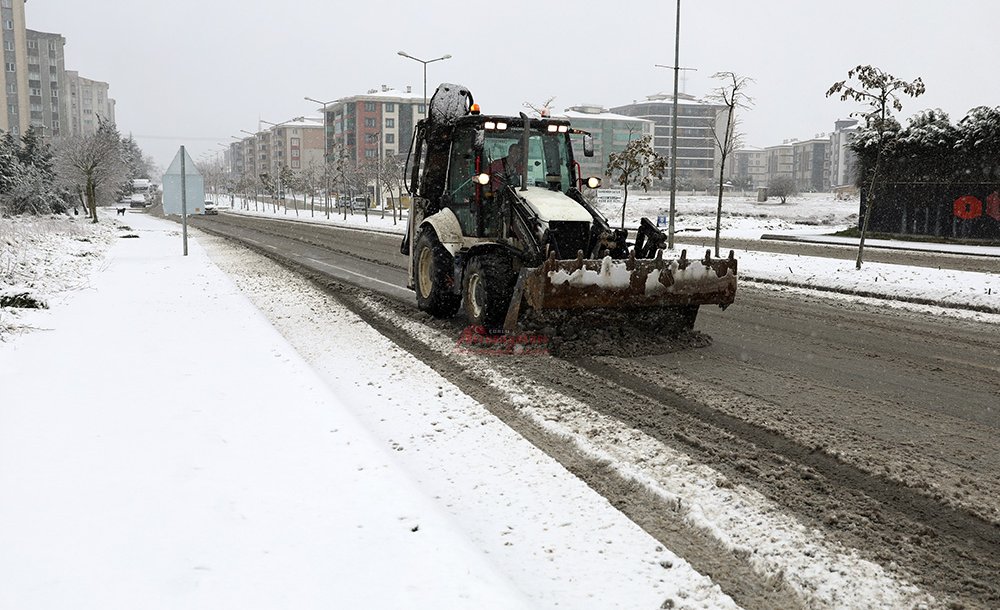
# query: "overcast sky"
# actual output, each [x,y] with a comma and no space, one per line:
[195,72]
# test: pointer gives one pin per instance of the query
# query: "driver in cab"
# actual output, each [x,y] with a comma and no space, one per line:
[507,170]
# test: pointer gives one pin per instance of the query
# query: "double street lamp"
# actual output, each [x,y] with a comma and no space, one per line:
[424,62]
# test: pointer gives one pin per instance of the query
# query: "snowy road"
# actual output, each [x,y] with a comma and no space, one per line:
[873,427]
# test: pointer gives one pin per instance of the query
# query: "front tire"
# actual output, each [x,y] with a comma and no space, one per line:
[432,276]
[488,287]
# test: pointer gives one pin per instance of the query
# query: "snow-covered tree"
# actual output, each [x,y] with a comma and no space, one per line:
[636,165]
[978,143]
[880,93]
[924,150]
[781,187]
[37,153]
[92,165]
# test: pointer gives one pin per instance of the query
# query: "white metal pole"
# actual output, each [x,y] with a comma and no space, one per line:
[184,214]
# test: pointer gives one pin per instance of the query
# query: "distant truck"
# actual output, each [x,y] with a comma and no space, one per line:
[141,192]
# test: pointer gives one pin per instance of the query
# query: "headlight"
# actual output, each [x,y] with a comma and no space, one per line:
[553,128]
[563,129]
[489,125]
[483,179]
[594,182]
[501,126]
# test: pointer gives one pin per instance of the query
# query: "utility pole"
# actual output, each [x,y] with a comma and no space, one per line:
[673,132]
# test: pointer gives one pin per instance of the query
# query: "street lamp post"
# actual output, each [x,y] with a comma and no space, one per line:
[424,62]
[326,154]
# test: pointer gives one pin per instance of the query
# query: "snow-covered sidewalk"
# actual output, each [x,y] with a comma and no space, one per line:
[163,446]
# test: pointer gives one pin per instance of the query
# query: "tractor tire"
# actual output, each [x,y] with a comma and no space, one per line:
[488,287]
[433,277]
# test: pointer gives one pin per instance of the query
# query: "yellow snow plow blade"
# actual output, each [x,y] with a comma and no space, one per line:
[624,284]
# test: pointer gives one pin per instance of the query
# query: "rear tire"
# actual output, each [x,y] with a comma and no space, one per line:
[488,286]
[432,276]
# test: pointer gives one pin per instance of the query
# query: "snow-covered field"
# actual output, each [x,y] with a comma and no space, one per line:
[203,432]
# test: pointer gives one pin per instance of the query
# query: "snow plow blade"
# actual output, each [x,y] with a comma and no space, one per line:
[630,283]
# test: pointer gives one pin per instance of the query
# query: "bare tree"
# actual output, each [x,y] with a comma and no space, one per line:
[880,92]
[394,182]
[731,94]
[92,164]
[541,110]
[636,165]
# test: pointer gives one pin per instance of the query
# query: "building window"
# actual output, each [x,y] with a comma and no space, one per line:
[371,153]
[35,92]
[8,45]
[390,107]
[295,164]
[369,122]
[390,138]
[10,66]
[420,108]
[390,123]
[369,106]
[32,44]
[11,88]
[8,25]
[5,4]
[294,141]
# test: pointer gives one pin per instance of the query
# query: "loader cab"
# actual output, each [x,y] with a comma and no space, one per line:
[481,175]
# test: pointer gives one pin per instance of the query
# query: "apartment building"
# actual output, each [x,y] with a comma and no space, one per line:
[87,101]
[780,160]
[749,166]
[843,160]
[381,119]
[297,144]
[47,83]
[811,164]
[612,133]
[697,122]
[14,77]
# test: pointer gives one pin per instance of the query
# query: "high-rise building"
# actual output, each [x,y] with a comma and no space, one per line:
[47,83]
[87,102]
[697,122]
[14,77]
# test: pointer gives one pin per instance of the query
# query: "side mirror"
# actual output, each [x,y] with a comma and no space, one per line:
[588,145]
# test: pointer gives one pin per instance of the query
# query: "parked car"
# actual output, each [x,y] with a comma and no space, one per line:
[359,202]
[210,207]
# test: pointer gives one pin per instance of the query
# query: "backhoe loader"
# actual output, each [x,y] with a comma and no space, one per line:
[499,226]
